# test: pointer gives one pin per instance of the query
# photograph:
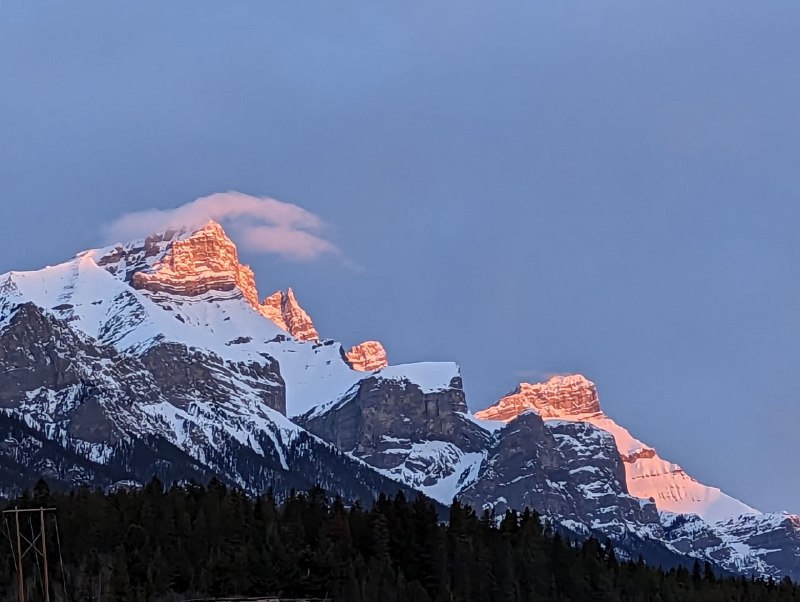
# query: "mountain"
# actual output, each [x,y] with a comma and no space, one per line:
[574,398]
[410,423]
[694,518]
[159,357]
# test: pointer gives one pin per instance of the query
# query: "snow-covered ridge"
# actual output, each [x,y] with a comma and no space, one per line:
[460,468]
[430,377]
[188,287]
[648,476]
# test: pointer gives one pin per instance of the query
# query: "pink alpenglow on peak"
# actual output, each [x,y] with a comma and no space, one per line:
[574,398]
[283,309]
[367,356]
[272,308]
[559,397]
[188,263]
[203,261]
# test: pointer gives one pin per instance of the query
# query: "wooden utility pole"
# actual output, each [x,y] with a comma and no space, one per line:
[44,555]
[20,577]
[31,547]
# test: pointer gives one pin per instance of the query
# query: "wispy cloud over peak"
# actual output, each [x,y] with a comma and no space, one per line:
[260,224]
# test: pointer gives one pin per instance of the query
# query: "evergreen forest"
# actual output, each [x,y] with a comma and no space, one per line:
[204,542]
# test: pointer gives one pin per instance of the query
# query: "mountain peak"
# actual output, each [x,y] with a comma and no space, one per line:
[211,226]
[177,232]
[569,396]
[203,261]
[284,310]
[367,356]
[188,262]
[574,398]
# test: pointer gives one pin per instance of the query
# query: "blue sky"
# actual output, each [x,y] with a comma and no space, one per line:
[526,188]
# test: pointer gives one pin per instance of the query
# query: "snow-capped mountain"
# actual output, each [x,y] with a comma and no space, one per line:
[575,399]
[159,344]
[158,357]
[697,519]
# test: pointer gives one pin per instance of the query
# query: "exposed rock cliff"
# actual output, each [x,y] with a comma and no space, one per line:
[568,470]
[195,263]
[412,426]
[367,356]
[206,260]
[283,309]
[559,397]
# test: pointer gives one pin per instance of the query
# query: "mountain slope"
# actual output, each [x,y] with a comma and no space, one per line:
[161,341]
[575,399]
[696,519]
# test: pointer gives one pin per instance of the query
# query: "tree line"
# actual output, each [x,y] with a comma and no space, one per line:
[192,541]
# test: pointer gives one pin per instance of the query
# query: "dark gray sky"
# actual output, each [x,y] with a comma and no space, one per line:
[527,188]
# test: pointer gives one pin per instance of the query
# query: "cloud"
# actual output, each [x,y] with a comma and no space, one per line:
[260,224]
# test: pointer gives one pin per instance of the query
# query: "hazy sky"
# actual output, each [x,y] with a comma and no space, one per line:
[527,188]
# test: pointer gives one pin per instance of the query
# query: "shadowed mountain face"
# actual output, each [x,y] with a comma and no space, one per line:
[157,357]
[575,399]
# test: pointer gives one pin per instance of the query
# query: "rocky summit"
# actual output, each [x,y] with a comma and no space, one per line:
[158,357]
[367,356]
[559,397]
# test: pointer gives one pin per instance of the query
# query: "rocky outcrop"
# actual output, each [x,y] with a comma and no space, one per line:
[195,263]
[205,261]
[378,407]
[125,260]
[185,375]
[52,374]
[559,397]
[367,356]
[422,437]
[284,310]
[567,470]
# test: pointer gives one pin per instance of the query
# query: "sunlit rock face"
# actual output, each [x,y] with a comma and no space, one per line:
[574,398]
[205,261]
[283,309]
[559,397]
[367,356]
[202,262]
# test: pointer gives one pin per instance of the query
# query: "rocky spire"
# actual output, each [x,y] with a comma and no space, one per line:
[367,356]
[283,309]
[571,396]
